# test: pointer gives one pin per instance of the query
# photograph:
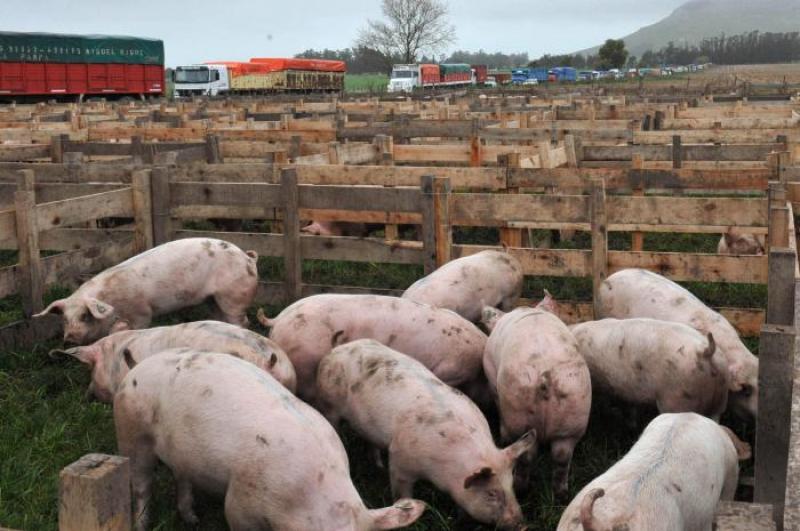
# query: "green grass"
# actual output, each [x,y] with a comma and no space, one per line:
[365,82]
[46,423]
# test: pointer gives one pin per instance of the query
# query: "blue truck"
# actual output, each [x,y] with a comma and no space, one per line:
[563,73]
[521,75]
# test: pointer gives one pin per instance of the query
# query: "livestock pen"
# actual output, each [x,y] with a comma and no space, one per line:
[632,206]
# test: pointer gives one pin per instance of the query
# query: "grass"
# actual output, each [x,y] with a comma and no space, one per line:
[47,423]
[365,82]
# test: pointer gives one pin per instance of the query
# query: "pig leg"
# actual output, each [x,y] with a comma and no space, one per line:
[377,457]
[233,305]
[238,513]
[402,482]
[186,501]
[561,452]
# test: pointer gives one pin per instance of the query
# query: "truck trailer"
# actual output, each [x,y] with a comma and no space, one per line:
[406,78]
[520,75]
[260,75]
[58,65]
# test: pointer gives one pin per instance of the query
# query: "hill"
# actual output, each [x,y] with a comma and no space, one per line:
[698,19]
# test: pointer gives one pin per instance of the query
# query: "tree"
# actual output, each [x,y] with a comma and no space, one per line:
[411,28]
[613,54]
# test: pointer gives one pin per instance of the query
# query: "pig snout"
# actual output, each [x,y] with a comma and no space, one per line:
[512,518]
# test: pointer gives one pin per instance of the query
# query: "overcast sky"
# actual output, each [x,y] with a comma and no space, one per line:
[205,30]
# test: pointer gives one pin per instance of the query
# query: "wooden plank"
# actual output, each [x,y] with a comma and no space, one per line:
[489,178]
[161,201]
[12,153]
[292,253]
[494,210]
[694,267]
[262,196]
[8,229]
[116,203]
[142,211]
[791,517]
[780,287]
[680,210]
[775,374]
[357,197]
[599,220]
[94,494]
[29,267]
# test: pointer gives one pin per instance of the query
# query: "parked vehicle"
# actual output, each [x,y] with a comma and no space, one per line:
[562,73]
[501,77]
[585,75]
[490,82]
[260,75]
[49,64]
[519,76]
[406,78]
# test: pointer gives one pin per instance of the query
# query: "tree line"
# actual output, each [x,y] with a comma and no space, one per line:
[747,48]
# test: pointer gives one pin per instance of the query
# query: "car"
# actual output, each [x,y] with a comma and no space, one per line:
[532,81]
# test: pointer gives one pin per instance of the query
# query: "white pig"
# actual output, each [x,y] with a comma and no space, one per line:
[736,242]
[671,480]
[443,341]
[111,357]
[664,364]
[467,284]
[228,428]
[169,277]
[432,431]
[335,228]
[539,381]
[640,293]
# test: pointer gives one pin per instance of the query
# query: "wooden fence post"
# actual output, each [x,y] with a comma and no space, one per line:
[572,151]
[334,153]
[30,268]
[142,210]
[677,152]
[161,205]
[57,145]
[292,258]
[509,236]
[384,146]
[436,230]
[294,147]
[137,149]
[637,238]
[775,379]
[213,152]
[475,148]
[780,286]
[95,494]
[599,223]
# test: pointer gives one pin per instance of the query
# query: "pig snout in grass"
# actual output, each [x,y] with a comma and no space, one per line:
[466,285]
[440,339]
[111,357]
[223,426]
[539,381]
[166,278]
[664,364]
[672,478]
[431,430]
[640,293]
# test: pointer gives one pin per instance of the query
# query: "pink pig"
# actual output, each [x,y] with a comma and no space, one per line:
[169,277]
[224,426]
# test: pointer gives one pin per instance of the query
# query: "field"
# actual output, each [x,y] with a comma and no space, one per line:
[365,82]
[49,423]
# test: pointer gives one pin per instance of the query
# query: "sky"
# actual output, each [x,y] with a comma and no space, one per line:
[212,30]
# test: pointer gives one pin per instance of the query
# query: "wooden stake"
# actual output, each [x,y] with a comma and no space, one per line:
[292,257]
[161,206]
[780,286]
[30,267]
[599,224]
[95,494]
[509,236]
[637,238]
[143,211]
[441,214]
[213,152]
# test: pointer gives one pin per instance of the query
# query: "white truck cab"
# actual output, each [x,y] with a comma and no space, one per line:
[201,80]
[404,78]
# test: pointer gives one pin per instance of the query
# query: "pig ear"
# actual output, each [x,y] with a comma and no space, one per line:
[489,317]
[730,238]
[56,307]
[478,477]
[99,309]
[273,359]
[743,450]
[548,303]
[87,355]
[403,513]
[525,444]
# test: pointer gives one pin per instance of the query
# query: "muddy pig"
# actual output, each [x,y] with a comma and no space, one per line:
[111,357]
[539,381]
[169,277]
[737,242]
[466,285]
[640,293]
[443,341]
[432,431]
[671,480]
[224,426]
[664,364]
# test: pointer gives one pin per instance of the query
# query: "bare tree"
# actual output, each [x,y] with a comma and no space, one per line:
[411,28]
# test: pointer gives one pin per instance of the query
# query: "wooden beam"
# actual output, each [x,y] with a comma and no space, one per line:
[95,494]
[292,257]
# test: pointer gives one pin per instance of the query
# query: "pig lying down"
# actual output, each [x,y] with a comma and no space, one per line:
[443,341]
[111,357]
[432,431]
[668,365]
[671,480]
[466,285]
[539,381]
[166,278]
[640,293]
[226,427]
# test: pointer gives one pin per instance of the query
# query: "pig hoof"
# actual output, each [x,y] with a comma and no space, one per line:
[190,518]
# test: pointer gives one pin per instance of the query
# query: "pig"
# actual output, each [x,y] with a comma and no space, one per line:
[226,427]
[672,479]
[443,341]
[335,228]
[539,381]
[431,430]
[171,276]
[640,293]
[111,357]
[664,364]
[467,284]
[736,242]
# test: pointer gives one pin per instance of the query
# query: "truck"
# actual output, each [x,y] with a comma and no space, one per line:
[520,76]
[406,78]
[562,73]
[259,75]
[54,65]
